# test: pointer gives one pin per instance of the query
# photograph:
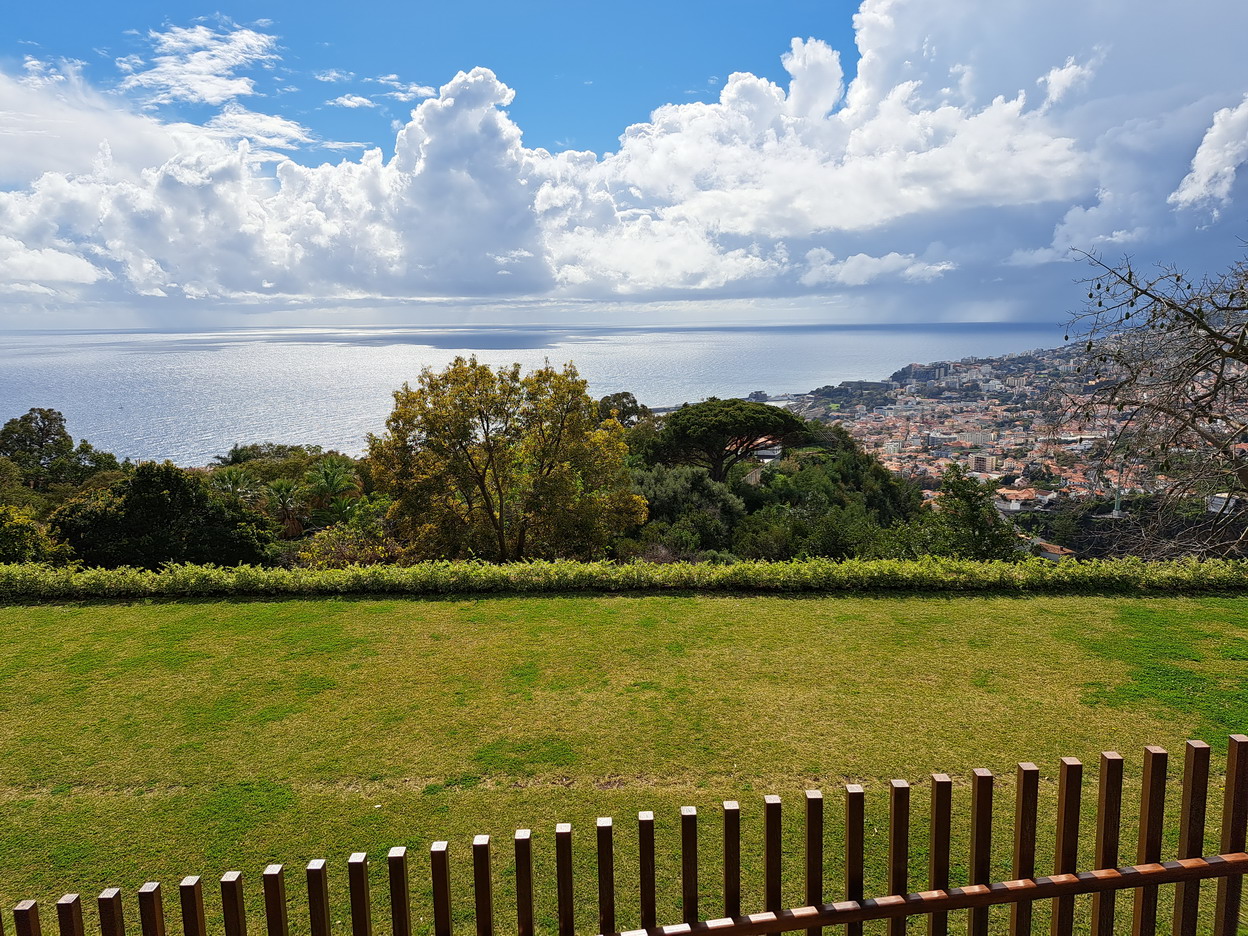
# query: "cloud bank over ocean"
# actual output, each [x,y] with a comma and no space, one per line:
[974,145]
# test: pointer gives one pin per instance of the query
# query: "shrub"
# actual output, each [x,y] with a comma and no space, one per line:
[158,514]
[23,538]
[24,582]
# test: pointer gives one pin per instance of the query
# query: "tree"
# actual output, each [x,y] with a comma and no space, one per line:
[963,525]
[283,501]
[268,461]
[502,466]
[234,483]
[240,454]
[330,478]
[13,492]
[34,442]
[364,537]
[718,434]
[43,451]
[623,407]
[159,513]
[1166,357]
[689,514]
[23,539]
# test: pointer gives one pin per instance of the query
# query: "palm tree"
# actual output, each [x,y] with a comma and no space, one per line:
[284,503]
[338,510]
[235,484]
[330,478]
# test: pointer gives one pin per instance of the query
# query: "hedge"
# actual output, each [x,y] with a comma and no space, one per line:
[30,582]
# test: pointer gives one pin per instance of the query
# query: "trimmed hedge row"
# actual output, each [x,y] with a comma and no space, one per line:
[30,582]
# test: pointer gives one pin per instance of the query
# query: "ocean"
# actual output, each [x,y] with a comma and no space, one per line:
[190,395]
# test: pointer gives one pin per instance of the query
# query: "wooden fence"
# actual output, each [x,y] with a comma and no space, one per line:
[1104,882]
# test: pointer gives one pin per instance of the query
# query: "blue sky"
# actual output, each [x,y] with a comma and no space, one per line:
[580,77]
[906,160]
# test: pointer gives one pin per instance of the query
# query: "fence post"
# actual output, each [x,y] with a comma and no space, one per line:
[981,843]
[318,897]
[606,875]
[191,895]
[400,892]
[1191,833]
[772,900]
[69,915]
[1026,799]
[440,875]
[1108,838]
[112,922]
[26,918]
[483,885]
[732,859]
[814,854]
[524,882]
[276,922]
[563,879]
[645,868]
[232,907]
[1234,821]
[151,910]
[1152,809]
[855,838]
[1066,849]
[689,864]
[898,847]
[358,892]
[938,847]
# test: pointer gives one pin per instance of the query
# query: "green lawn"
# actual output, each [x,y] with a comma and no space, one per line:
[151,741]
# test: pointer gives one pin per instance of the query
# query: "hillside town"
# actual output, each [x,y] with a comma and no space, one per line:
[1015,419]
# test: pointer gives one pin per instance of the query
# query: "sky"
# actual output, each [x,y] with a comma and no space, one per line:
[169,164]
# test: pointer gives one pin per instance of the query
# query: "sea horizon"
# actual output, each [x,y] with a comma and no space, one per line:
[189,394]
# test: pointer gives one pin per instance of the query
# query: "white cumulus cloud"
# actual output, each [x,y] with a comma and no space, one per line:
[977,141]
[352,101]
[1222,151]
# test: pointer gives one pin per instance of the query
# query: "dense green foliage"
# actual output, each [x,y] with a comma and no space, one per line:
[623,408]
[23,538]
[35,582]
[825,497]
[43,451]
[156,514]
[718,434]
[489,463]
[478,463]
[964,525]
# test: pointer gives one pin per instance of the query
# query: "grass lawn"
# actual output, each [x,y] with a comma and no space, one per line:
[150,741]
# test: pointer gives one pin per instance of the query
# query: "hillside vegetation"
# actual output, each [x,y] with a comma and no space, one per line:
[150,741]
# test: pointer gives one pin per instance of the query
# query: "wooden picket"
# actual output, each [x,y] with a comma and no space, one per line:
[976,897]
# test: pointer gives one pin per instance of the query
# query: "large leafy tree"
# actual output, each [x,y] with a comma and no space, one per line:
[159,513]
[490,463]
[38,443]
[718,434]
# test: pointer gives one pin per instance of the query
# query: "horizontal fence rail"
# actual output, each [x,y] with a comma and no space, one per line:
[1105,882]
